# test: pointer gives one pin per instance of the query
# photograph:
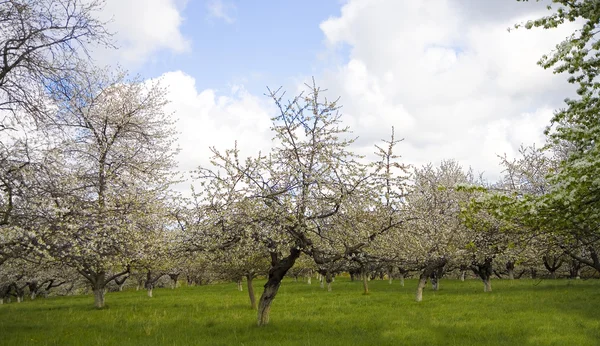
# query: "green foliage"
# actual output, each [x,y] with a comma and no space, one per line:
[571,204]
[519,312]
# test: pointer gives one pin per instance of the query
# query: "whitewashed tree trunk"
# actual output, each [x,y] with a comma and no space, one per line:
[19,299]
[487,285]
[150,292]
[32,295]
[365,278]
[239,285]
[401,279]
[309,280]
[420,287]
[329,287]
[463,274]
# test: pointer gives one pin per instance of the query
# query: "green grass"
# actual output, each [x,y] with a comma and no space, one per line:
[522,312]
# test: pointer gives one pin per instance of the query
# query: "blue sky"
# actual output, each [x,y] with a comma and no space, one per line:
[264,44]
[446,74]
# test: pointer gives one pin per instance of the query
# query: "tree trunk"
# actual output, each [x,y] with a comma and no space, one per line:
[463,273]
[420,286]
[239,285]
[99,297]
[401,277]
[435,284]
[174,278]
[32,295]
[365,278]
[487,285]
[278,270]
[484,271]
[510,267]
[329,280]
[249,279]
[99,288]
[309,280]
[149,289]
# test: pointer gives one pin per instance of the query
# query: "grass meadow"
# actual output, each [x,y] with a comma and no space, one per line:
[519,312]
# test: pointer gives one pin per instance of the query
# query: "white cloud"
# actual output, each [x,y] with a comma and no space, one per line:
[221,10]
[448,75]
[207,119]
[142,28]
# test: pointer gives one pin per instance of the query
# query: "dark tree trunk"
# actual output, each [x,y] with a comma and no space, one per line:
[574,269]
[484,271]
[174,277]
[33,289]
[510,267]
[533,272]
[552,264]
[121,281]
[279,267]
[151,281]
[329,280]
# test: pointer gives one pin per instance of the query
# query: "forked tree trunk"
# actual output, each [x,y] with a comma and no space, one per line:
[278,270]
[249,279]
[552,264]
[432,266]
[484,271]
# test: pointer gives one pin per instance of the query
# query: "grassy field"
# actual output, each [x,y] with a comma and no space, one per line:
[522,312]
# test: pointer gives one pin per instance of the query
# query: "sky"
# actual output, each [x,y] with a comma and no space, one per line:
[446,74]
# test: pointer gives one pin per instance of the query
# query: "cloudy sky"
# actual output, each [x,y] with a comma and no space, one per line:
[445,73]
